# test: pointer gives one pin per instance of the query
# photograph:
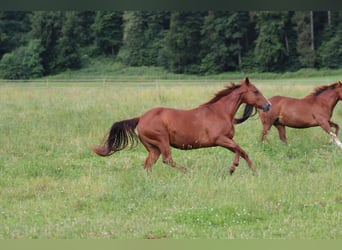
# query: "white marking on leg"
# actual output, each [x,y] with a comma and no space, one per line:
[336,140]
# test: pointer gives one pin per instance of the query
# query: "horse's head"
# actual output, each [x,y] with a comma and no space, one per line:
[339,90]
[252,96]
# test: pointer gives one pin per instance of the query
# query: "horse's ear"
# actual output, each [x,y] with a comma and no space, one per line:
[247,81]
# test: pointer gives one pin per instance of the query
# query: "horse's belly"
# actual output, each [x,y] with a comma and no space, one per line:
[187,146]
[294,121]
[187,141]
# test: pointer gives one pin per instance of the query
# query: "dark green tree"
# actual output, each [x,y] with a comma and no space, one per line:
[320,26]
[133,50]
[68,45]
[47,27]
[270,46]
[330,52]
[292,62]
[14,26]
[305,38]
[183,42]
[144,34]
[154,36]
[23,63]
[223,41]
[86,20]
[108,32]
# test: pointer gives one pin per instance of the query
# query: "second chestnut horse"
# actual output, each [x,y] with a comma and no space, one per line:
[208,125]
[315,109]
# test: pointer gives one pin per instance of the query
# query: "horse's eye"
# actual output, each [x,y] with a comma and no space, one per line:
[256,92]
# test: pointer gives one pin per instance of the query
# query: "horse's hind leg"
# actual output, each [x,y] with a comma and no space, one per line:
[165,150]
[167,159]
[337,128]
[282,133]
[336,140]
[326,125]
[156,145]
[153,155]
[153,151]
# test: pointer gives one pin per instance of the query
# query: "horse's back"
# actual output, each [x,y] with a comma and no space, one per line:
[162,114]
[160,118]
[152,116]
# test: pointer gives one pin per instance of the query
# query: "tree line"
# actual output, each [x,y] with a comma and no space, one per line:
[40,43]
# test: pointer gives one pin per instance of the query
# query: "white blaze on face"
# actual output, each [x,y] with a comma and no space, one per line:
[336,140]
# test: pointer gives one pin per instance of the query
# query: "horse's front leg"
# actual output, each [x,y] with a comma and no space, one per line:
[234,147]
[235,162]
[244,155]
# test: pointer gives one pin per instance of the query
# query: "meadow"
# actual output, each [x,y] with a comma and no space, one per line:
[52,186]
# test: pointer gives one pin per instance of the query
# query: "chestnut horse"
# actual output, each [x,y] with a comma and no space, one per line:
[312,110]
[208,125]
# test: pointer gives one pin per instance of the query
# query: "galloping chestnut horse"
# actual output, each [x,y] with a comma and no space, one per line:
[312,110]
[208,125]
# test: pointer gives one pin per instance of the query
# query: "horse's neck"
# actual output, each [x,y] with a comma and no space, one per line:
[328,98]
[229,104]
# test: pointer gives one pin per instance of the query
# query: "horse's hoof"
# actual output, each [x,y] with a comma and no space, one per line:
[148,170]
[183,169]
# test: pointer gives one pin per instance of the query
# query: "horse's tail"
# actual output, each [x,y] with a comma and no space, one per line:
[246,114]
[120,136]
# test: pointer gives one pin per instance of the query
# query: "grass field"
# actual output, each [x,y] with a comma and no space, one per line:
[52,186]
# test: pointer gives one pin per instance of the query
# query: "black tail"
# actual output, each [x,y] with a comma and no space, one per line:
[246,114]
[120,136]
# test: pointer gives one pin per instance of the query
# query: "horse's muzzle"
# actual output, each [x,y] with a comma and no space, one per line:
[266,107]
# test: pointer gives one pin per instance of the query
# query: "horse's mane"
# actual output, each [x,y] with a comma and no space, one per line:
[224,92]
[320,89]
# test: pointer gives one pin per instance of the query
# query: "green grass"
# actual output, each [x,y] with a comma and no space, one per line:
[53,187]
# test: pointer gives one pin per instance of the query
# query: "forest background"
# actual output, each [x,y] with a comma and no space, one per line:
[34,44]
